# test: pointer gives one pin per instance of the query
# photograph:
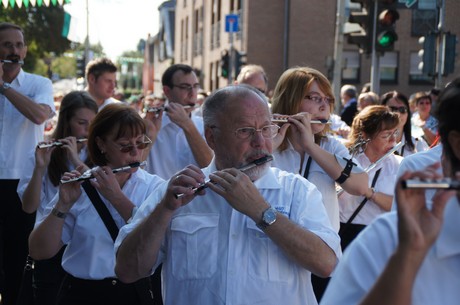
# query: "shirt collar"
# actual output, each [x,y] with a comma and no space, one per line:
[20,78]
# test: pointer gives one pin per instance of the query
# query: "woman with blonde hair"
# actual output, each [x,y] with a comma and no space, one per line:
[302,95]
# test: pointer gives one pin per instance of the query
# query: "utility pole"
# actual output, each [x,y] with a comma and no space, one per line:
[441,43]
[375,60]
[338,51]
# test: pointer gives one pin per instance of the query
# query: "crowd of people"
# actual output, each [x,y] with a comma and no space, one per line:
[236,196]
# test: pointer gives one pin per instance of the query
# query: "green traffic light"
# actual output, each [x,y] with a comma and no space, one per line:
[387,39]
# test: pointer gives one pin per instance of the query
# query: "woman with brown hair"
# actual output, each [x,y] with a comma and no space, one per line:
[373,134]
[116,140]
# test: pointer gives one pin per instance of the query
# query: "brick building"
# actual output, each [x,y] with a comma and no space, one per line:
[281,34]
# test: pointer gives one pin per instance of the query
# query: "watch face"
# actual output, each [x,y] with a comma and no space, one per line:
[269,216]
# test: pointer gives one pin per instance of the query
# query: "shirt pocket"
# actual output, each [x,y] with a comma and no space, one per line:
[194,243]
[266,260]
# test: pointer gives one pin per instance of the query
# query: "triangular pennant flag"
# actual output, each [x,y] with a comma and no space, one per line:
[54,2]
[47,2]
[5,3]
[33,2]
[19,3]
[61,2]
[39,2]
[26,3]
[66,25]
[12,3]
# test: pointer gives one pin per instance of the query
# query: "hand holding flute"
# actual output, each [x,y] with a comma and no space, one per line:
[246,167]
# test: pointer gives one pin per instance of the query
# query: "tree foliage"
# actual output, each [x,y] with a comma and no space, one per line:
[42,29]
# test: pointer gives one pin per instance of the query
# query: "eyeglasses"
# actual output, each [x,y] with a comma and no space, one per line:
[10,45]
[319,99]
[401,109]
[389,134]
[187,87]
[268,132]
[128,148]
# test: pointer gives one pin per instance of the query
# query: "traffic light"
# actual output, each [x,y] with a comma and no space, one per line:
[81,65]
[364,17]
[450,43]
[428,54]
[387,15]
[224,64]
[240,61]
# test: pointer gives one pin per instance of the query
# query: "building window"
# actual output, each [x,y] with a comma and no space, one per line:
[389,68]
[350,69]
[416,76]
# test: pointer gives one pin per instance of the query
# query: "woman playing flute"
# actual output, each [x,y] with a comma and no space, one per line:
[77,111]
[116,138]
[379,127]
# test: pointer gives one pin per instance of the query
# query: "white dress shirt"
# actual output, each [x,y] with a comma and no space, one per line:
[89,253]
[171,152]
[289,160]
[385,183]
[213,254]
[417,162]
[19,135]
[437,280]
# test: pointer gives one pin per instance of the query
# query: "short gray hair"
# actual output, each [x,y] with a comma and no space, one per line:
[216,104]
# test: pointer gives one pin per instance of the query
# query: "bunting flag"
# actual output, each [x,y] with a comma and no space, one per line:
[20,3]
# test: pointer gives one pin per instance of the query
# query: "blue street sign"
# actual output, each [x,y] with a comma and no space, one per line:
[231,23]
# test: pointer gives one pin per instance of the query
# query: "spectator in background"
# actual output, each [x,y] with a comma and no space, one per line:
[26,103]
[255,76]
[41,184]
[136,102]
[119,95]
[397,102]
[367,99]
[366,88]
[349,103]
[201,97]
[102,81]
[424,125]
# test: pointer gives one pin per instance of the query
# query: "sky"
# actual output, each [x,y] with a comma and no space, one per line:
[117,24]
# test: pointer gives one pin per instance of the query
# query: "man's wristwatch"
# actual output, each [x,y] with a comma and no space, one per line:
[4,87]
[268,218]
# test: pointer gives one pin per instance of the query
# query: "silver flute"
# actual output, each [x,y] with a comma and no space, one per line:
[164,108]
[322,121]
[445,183]
[89,173]
[57,143]
[339,190]
[13,61]
[246,167]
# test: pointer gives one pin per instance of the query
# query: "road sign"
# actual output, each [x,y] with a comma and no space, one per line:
[409,3]
[231,23]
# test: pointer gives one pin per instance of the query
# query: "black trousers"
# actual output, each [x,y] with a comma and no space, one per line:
[75,291]
[15,227]
[47,278]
